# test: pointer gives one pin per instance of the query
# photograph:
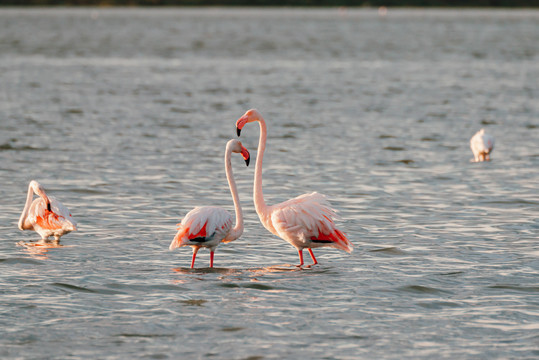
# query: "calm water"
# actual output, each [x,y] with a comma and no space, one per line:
[123,114]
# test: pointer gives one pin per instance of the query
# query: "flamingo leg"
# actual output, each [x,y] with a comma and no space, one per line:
[195,250]
[312,256]
[211,258]
[300,253]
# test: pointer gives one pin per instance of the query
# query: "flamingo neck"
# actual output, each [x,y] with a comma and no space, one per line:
[24,214]
[258,196]
[237,230]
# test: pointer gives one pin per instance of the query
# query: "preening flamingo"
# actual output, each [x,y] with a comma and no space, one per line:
[307,221]
[482,145]
[209,225]
[45,215]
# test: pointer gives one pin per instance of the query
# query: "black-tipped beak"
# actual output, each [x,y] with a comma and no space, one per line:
[49,206]
[247,161]
[238,131]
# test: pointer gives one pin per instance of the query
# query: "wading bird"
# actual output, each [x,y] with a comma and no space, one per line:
[45,215]
[209,225]
[482,145]
[307,221]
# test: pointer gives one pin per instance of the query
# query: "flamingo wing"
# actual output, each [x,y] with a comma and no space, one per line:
[309,220]
[62,211]
[204,226]
[58,219]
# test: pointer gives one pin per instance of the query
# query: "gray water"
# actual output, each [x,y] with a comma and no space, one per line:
[123,114]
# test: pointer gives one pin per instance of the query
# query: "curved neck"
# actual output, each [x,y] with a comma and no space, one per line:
[258,196]
[24,214]
[238,228]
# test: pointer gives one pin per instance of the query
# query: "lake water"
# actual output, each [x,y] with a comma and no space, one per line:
[123,114]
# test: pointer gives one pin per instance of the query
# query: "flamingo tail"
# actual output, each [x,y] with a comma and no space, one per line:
[340,241]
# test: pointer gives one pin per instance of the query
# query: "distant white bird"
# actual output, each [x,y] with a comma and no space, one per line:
[45,215]
[208,226]
[482,145]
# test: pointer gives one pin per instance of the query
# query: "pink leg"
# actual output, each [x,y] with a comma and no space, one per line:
[195,250]
[211,259]
[300,253]
[312,256]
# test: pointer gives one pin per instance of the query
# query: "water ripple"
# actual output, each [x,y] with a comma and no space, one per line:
[11,261]
[420,289]
[127,127]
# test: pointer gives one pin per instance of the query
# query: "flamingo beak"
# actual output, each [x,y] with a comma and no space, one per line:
[49,206]
[246,155]
[240,124]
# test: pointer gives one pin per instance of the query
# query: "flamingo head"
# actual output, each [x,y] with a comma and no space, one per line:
[237,147]
[40,191]
[249,116]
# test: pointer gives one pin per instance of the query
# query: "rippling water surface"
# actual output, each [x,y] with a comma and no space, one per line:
[123,114]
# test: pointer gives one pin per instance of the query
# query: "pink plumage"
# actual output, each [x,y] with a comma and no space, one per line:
[45,215]
[203,227]
[307,221]
[208,226]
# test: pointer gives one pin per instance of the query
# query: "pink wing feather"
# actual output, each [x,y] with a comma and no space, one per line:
[207,221]
[309,217]
[58,219]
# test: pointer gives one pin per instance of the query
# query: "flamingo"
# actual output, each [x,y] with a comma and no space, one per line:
[482,145]
[307,221]
[45,215]
[207,226]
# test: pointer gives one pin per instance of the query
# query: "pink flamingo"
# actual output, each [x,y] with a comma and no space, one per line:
[482,145]
[307,221]
[45,215]
[209,225]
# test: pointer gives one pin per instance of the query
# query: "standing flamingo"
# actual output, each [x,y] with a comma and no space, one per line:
[307,221]
[45,215]
[482,145]
[209,225]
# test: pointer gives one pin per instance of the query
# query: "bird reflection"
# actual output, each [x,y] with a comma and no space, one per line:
[39,250]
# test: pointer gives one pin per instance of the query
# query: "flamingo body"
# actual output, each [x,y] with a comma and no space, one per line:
[307,221]
[482,145]
[208,226]
[203,226]
[46,215]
